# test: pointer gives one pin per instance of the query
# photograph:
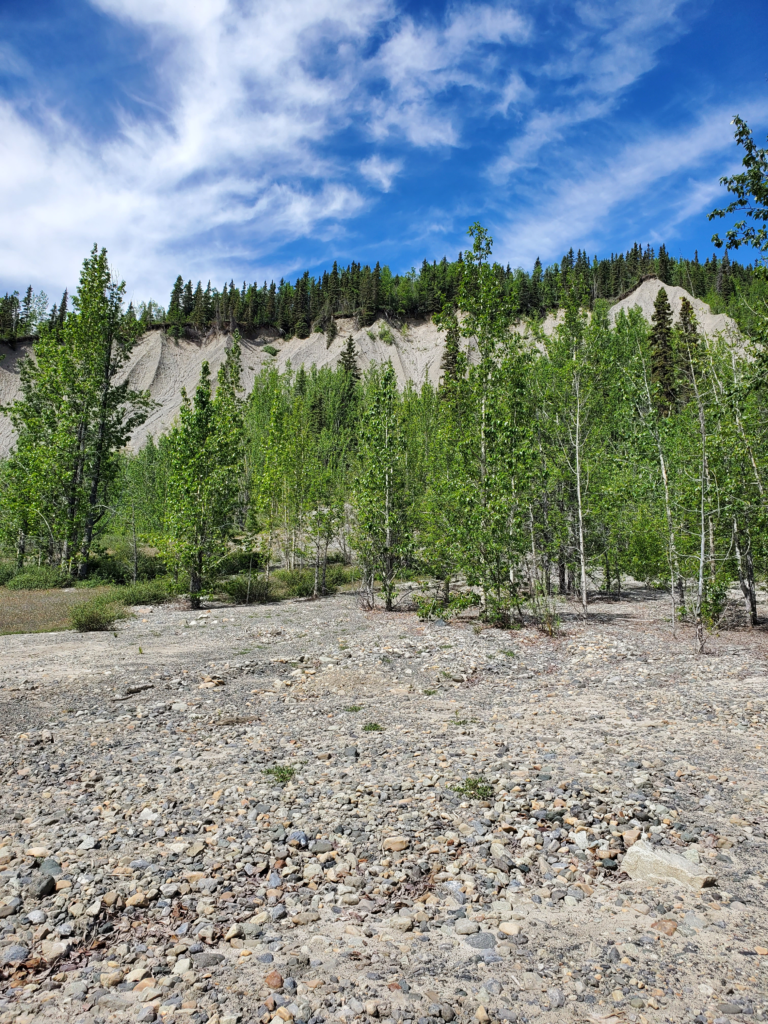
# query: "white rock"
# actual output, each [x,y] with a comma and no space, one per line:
[646,863]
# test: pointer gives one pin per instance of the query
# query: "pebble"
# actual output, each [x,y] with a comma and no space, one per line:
[381,879]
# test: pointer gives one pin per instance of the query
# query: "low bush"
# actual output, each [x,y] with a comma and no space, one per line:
[257,591]
[301,582]
[296,582]
[98,614]
[241,562]
[39,577]
[7,572]
[156,591]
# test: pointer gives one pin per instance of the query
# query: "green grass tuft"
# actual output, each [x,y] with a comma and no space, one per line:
[280,772]
[373,727]
[474,788]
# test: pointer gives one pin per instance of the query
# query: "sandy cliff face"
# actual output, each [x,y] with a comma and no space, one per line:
[163,366]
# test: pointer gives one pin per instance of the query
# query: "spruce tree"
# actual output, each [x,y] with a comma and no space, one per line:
[175,314]
[348,360]
[663,355]
[452,351]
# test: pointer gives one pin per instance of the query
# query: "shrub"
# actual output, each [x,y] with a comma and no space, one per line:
[431,607]
[98,614]
[241,562]
[270,350]
[149,592]
[7,572]
[39,577]
[239,590]
[297,582]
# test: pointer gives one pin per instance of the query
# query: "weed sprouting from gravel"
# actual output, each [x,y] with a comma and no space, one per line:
[280,772]
[373,727]
[429,693]
[474,788]
[353,707]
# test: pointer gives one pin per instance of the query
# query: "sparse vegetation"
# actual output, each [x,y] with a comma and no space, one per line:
[39,611]
[352,708]
[476,788]
[373,727]
[280,772]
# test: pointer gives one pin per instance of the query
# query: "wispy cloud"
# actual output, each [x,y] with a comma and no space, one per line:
[261,135]
[380,172]
[584,206]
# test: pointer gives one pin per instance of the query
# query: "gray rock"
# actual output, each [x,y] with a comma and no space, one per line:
[351,752]
[321,846]
[729,1009]
[465,927]
[278,912]
[41,887]
[556,998]
[446,1012]
[483,940]
[204,960]
[37,917]
[50,866]
[14,954]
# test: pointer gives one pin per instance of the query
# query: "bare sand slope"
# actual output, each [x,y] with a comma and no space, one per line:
[163,366]
[645,294]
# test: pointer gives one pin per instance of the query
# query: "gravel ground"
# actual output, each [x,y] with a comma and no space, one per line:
[199,823]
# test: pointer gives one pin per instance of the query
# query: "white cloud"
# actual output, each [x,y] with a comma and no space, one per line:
[231,153]
[380,172]
[263,124]
[615,44]
[579,209]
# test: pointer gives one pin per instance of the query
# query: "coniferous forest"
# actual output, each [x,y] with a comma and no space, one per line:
[549,464]
[311,303]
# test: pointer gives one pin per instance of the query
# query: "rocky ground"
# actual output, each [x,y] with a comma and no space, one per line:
[308,813]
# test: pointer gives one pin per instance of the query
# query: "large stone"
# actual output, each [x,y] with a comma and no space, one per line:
[483,940]
[465,927]
[396,843]
[50,950]
[41,887]
[645,863]
[510,928]
[203,961]
[14,954]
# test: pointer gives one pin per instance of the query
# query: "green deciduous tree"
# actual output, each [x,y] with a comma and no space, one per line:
[73,418]
[205,465]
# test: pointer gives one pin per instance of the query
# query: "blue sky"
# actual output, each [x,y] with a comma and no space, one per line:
[249,140]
